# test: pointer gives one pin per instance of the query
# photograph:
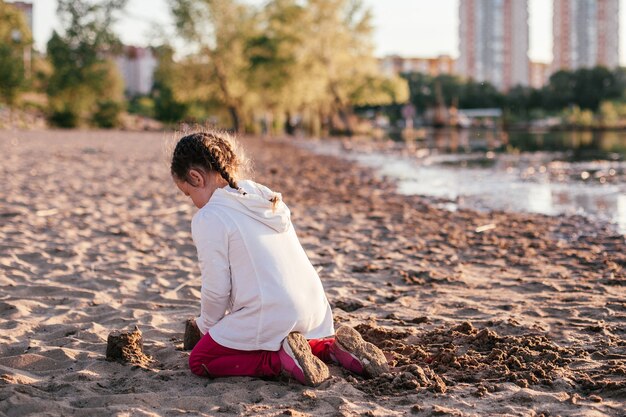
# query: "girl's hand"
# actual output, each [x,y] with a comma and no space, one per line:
[192,334]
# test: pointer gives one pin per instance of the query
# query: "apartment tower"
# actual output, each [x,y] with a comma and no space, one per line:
[494,42]
[27,9]
[586,34]
[137,66]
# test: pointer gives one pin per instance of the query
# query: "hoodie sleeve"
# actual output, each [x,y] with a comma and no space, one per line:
[211,239]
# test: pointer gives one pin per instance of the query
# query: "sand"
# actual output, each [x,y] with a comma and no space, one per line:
[479,313]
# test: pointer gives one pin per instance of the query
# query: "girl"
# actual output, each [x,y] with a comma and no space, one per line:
[263,310]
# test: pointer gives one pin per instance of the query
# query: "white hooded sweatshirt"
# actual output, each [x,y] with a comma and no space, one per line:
[258,284]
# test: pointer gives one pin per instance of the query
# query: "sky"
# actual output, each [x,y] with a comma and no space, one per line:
[424,28]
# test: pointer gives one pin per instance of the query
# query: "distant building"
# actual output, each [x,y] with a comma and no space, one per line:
[494,42]
[137,66]
[394,65]
[539,74]
[586,34]
[27,9]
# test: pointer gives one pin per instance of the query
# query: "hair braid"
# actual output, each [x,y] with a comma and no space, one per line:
[209,152]
[218,162]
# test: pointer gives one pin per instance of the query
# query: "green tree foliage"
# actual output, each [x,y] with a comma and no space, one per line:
[219,31]
[85,85]
[278,60]
[454,92]
[595,85]
[15,36]
[480,95]
[421,90]
[585,88]
[341,51]
[580,90]
[167,107]
[11,74]
[142,105]
[620,79]
[310,58]
[559,93]
[609,114]
[377,90]
[520,100]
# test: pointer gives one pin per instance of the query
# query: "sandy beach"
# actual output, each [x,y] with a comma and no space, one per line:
[480,314]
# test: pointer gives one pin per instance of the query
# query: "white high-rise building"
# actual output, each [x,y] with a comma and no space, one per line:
[27,9]
[586,34]
[494,42]
[137,66]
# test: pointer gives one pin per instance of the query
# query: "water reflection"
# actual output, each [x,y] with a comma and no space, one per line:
[550,173]
[540,199]
[576,145]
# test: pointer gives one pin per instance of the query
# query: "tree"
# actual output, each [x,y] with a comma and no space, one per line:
[311,58]
[315,59]
[219,31]
[340,52]
[421,90]
[520,100]
[608,112]
[380,91]
[585,87]
[11,74]
[480,95]
[278,63]
[167,107]
[453,92]
[620,79]
[559,93]
[594,85]
[84,82]
[14,38]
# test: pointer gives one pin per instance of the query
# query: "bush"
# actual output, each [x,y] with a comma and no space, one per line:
[107,114]
[141,105]
[11,74]
[65,118]
[167,109]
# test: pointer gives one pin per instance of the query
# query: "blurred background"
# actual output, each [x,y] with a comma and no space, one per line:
[488,104]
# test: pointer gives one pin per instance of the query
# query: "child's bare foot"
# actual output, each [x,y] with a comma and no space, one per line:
[192,334]
[299,362]
[357,355]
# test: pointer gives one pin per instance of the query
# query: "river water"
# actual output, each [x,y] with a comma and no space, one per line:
[551,173]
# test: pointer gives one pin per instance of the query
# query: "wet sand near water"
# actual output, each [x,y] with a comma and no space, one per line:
[479,313]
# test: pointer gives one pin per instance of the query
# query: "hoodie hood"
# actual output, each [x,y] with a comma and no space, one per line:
[255,203]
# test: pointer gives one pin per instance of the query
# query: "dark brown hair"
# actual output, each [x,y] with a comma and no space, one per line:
[209,151]
[206,151]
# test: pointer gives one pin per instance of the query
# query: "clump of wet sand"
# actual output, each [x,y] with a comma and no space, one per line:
[127,347]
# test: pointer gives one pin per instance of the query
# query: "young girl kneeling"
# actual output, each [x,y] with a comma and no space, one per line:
[263,310]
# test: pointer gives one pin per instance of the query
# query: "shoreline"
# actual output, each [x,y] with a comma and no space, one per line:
[483,202]
[481,313]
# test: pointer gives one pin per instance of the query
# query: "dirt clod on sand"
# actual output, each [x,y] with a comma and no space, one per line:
[127,347]
[192,334]
[448,356]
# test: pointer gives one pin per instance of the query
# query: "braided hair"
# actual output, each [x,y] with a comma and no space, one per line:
[208,152]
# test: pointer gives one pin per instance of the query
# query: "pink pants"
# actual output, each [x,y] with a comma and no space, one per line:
[211,359]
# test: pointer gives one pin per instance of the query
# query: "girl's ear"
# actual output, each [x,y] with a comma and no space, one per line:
[196,177]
